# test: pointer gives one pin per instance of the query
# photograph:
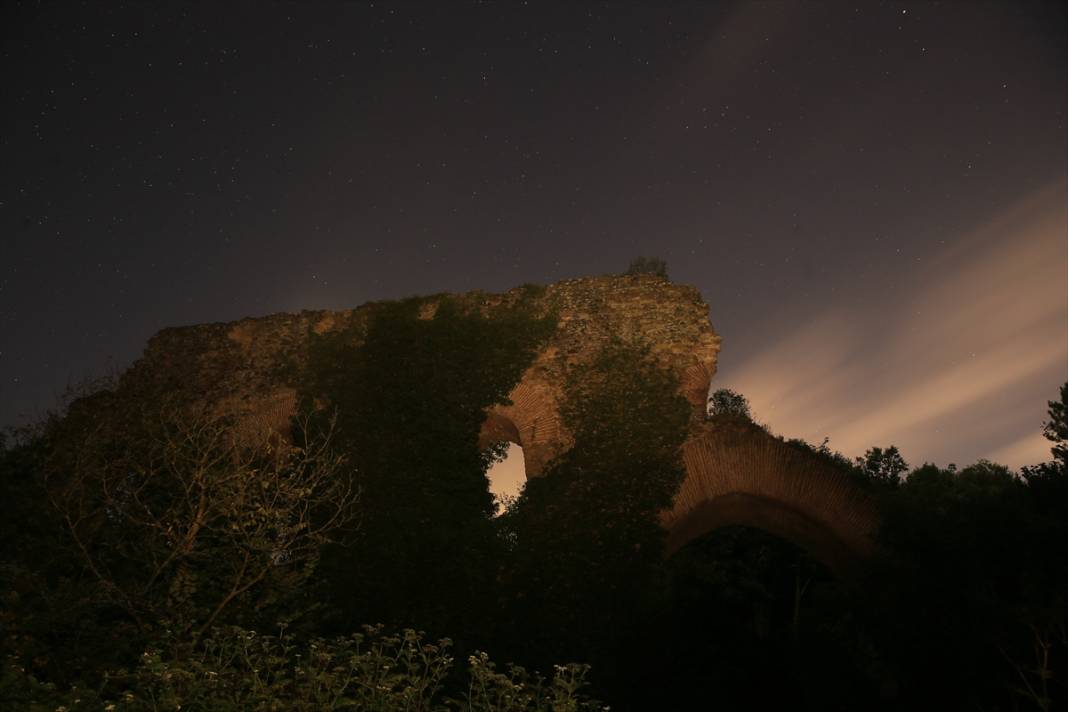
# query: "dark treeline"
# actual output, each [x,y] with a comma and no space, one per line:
[150,560]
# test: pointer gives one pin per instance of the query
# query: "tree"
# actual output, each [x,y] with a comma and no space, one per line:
[885,466]
[1056,428]
[727,403]
[648,265]
[1049,477]
[174,520]
[1044,613]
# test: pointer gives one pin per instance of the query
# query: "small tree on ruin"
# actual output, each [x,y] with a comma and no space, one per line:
[648,265]
[730,404]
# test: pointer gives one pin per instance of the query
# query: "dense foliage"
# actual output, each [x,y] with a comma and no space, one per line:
[409,395]
[149,558]
[585,546]
[725,403]
[237,670]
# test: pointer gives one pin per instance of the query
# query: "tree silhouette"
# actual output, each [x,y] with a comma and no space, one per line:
[648,265]
[886,466]
[1056,428]
[728,403]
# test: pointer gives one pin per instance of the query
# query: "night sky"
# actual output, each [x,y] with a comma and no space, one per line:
[870,196]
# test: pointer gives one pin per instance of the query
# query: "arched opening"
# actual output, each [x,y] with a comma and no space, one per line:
[767,515]
[748,618]
[507,476]
[507,473]
[753,620]
[738,474]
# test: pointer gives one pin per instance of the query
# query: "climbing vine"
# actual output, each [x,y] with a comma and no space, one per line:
[587,543]
[409,387]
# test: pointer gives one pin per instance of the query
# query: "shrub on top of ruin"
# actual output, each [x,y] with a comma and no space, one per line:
[648,265]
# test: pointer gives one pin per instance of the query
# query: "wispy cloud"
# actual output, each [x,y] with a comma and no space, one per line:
[944,372]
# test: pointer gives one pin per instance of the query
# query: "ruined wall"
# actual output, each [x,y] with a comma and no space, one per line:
[672,319]
[251,368]
[738,474]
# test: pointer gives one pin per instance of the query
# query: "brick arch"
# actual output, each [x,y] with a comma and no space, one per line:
[531,420]
[737,474]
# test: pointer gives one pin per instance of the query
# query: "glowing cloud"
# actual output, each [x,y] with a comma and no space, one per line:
[947,372]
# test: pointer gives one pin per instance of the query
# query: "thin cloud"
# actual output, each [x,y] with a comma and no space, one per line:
[940,373]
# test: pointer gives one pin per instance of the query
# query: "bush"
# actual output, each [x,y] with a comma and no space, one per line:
[236,669]
[648,265]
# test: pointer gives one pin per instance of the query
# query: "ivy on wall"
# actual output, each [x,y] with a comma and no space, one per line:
[409,389]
